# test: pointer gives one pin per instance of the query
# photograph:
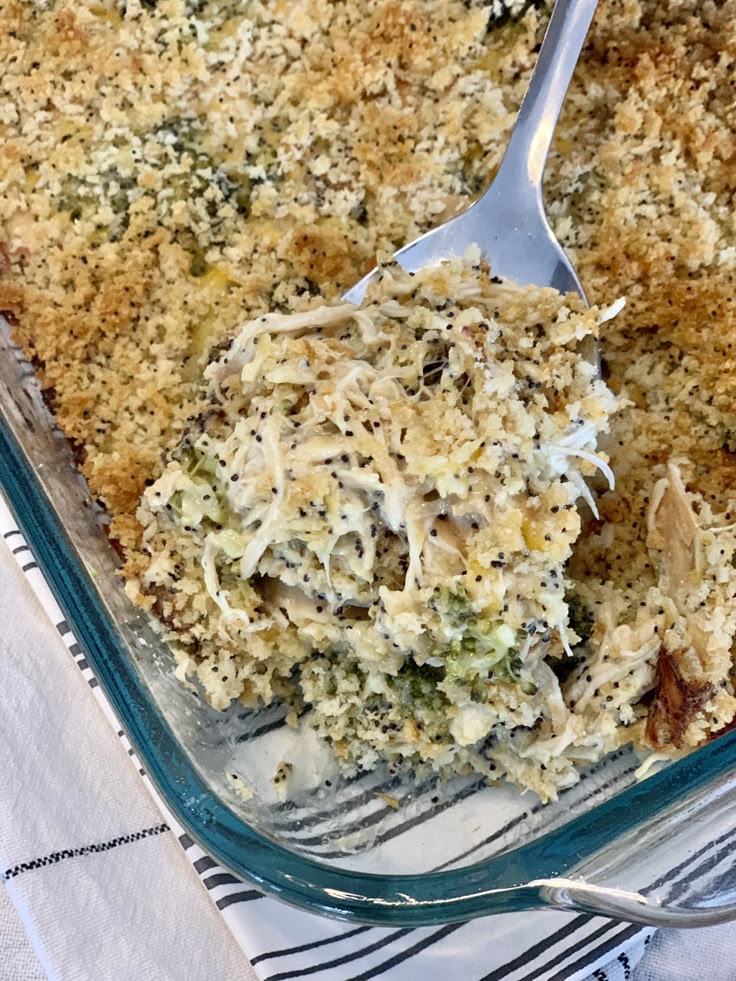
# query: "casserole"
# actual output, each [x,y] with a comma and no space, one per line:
[652,851]
[154,267]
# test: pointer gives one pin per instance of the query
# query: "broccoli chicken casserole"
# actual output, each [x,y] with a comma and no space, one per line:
[401,519]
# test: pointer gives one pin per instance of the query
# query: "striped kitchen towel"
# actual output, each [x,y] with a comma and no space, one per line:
[88,859]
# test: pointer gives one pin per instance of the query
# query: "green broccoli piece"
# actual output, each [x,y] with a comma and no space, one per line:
[71,198]
[483,644]
[580,618]
[184,136]
[453,605]
[418,684]
[82,197]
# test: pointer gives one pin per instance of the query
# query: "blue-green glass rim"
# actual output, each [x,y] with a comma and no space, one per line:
[502,884]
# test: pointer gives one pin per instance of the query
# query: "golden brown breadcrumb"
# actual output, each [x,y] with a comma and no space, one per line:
[169,169]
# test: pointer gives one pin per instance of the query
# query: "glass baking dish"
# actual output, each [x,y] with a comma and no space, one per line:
[377,849]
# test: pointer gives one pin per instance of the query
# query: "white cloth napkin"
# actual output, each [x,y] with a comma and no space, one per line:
[103,889]
[17,957]
[95,867]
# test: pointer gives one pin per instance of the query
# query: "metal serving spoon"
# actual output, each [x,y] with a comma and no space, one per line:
[508,221]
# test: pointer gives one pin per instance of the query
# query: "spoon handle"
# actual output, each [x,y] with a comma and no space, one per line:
[535,124]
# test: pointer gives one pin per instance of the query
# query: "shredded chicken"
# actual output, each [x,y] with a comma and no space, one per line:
[673,528]
[392,494]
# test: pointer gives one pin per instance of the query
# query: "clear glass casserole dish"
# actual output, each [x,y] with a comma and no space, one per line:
[378,849]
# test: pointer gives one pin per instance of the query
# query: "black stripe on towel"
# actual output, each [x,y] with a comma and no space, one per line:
[377,816]
[563,955]
[339,961]
[263,730]
[515,821]
[706,852]
[204,864]
[619,938]
[315,943]
[499,832]
[221,879]
[539,948]
[239,897]
[416,948]
[93,849]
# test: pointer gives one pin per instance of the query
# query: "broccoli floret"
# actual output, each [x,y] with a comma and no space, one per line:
[185,136]
[418,683]
[193,175]
[486,649]
[198,174]
[484,646]
[82,197]
[71,198]
[454,605]
[580,618]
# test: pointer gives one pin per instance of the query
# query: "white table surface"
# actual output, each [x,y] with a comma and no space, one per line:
[703,955]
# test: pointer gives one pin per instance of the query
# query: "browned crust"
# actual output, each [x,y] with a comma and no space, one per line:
[119,328]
